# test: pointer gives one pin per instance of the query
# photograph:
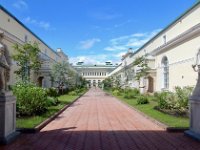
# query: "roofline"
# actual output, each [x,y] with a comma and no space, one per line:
[95,66]
[11,15]
[167,27]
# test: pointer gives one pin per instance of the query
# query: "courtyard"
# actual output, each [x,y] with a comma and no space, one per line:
[98,121]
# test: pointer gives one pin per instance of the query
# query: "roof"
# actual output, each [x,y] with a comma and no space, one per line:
[11,15]
[168,26]
[94,66]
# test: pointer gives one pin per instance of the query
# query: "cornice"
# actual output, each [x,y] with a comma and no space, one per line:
[10,37]
[192,32]
[13,39]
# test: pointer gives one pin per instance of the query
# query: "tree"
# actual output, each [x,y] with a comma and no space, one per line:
[108,82]
[59,73]
[27,59]
[141,64]
[63,75]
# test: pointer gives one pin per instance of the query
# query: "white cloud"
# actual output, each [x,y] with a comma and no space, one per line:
[20,4]
[87,44]
[90,59]
[42,24]
[134,41]
[120,54]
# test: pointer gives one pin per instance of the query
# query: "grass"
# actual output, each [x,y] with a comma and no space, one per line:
[148,109]
[31,122]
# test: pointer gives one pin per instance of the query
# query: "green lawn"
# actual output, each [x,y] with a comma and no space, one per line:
[31,122]
[148,109]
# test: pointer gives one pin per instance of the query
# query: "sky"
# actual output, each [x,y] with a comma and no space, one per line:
[96,31]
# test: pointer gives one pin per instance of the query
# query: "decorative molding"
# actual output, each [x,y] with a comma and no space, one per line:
[13,39]
[10,37]
[194,31]
[179,62]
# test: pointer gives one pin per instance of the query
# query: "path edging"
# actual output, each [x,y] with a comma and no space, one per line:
[162,125]
[48,120]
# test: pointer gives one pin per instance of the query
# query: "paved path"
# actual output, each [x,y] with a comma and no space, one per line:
[98,121]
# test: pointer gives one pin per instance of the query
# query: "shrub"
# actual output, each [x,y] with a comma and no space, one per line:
[31,100]
[142,100]
[177,101]
[162,100]
[116,92]
[52,92]
[182,97]
[72,93]
[52,101]
[131,93]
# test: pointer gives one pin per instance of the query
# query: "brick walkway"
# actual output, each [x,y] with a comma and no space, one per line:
[100,122]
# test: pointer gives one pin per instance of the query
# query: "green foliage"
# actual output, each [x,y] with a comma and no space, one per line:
[31,100]
[116,92]
[177,101]
[108,82]
[27,59]
[162,99]
[52,92]
[52,101]
[142,99]
[182,96]
[141,63]
[63,76]
[73,93]
[77,91]
[131,93]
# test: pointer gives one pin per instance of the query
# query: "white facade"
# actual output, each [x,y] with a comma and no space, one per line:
[13,31]
[171,53]
[94,74]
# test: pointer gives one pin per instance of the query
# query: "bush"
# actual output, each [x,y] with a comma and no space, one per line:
[73,93]
[116,92]
[142,100]
[182,97]
[177,101]
[52,101]
[163,99]
[131,93]
[52,92]
[31,100]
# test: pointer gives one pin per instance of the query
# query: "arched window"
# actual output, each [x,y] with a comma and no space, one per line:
[165,65]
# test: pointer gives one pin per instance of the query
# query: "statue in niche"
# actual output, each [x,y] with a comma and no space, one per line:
[4,68]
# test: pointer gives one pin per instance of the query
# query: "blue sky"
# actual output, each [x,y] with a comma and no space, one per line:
[95,31]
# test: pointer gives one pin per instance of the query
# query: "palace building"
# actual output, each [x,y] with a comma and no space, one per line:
[170,55]
[13,31]
[94,74]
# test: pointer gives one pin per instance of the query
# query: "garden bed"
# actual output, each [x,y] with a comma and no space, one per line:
[171,122]
[35,123]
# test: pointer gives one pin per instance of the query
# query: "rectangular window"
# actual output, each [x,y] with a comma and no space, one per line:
[164,39]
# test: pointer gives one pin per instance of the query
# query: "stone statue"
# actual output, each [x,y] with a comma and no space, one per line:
[196,65]
[4,69]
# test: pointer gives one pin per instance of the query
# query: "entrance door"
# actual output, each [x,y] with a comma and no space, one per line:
[150,86]
[94,82]
[40,79]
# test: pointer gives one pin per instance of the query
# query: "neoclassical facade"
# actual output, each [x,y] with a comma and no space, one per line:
[13,31]
[94,74]
[170,55]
